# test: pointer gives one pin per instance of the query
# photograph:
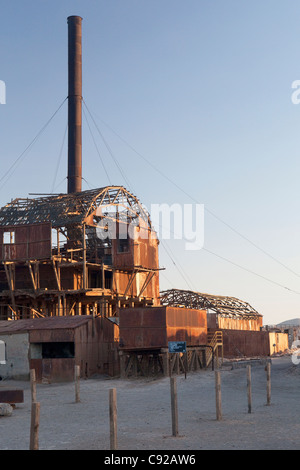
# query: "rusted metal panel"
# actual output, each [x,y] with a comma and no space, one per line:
[279,342]
[252,324]
[54,370]
[146,251]
[11,396]
[239,343]
[51,336]
[135,274]
[143,317]
[154,327]
[143,338]
[28,242]
[193,336]
[125,258]
[39,241]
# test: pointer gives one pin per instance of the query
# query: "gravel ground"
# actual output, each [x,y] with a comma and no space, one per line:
[144,413]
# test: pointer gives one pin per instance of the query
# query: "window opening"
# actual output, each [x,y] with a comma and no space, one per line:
[9,238]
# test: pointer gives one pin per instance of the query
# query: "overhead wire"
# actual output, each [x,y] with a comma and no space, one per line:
[109,149]
[61,182]
[197,202]
[217,218]
[13,167]
[59,159]
[180,270]
[250,271]
[242,267]
[97,150]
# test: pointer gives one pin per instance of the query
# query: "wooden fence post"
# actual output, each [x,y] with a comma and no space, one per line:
[249,392]
[218,396]
[77,384]
[34,426]
[174,408]
[33,385]
[113,418]
[268,383]
[166,362]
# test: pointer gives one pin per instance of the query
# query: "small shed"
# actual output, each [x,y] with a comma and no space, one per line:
[54,345]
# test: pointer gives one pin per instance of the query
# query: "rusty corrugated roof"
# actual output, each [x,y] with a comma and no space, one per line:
[48,323]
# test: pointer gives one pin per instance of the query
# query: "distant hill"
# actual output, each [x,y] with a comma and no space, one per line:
[293,322]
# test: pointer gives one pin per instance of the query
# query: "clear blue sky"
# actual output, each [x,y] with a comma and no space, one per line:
[202,90]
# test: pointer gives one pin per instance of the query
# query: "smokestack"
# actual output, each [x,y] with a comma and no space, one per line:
[74,104]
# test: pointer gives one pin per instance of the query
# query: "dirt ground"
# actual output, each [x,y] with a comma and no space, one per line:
[144,412]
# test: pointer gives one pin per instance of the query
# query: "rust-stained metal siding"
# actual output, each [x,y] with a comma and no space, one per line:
[139,261]
[232,323]
[48,323]
[11,396]
[279,342]
[154,327]
[53,370]
[252,324]
[239,343]
[30,242]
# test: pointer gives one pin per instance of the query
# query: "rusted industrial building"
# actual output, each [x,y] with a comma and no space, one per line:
[63,255]
[70,262]
[222,312]
[77,253]
[239,323]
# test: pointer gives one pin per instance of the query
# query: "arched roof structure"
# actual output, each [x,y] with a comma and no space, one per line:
[222,305]
[74,208]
